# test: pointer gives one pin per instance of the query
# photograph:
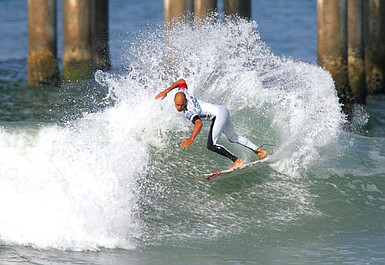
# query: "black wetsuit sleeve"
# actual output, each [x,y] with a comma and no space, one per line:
[195,118]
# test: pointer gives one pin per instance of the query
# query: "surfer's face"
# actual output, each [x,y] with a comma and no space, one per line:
[180,107]
[180,101]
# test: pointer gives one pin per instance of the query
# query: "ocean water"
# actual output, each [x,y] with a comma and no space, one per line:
[92,173]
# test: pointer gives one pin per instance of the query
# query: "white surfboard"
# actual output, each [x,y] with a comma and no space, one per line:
[230,172]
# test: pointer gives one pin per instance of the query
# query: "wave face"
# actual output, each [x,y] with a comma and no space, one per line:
[118,179]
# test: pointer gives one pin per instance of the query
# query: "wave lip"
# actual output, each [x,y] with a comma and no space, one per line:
[289,104]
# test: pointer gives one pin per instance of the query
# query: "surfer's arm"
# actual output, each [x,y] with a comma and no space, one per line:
[164,93]
[197,128]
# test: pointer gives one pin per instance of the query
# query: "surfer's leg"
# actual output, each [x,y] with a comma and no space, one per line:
[234,137]
[214,134]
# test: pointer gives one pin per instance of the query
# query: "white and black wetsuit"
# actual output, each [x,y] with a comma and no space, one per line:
[221,123]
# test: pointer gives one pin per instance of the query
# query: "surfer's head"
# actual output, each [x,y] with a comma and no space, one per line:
[180,101]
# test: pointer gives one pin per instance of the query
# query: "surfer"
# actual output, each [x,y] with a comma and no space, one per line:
[196,110]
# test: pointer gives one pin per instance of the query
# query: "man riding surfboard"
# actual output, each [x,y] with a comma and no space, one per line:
[196,110]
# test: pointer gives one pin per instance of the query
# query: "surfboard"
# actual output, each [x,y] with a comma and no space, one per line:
[231,172]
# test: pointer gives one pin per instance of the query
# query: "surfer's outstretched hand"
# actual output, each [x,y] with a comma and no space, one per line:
[186,143]
[164,93]
[161,95]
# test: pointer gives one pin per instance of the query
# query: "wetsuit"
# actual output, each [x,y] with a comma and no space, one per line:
[221,123]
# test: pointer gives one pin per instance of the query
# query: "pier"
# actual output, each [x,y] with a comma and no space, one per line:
[351,39]
[351,46]
[85,34]
[85,40]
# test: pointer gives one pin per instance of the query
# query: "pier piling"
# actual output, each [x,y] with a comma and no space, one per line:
[176,9]
[204,7]
[356,63]
[43,66]
[241,8]
[77,61]
[332,43]
[375,45]
[99,33]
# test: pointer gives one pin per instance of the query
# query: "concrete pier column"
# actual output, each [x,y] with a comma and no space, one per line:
[176,9]
[375,45]
[241,8]
[332,43]
[42,45]
[77,61]
[204,7]
[99,33]
[356,63]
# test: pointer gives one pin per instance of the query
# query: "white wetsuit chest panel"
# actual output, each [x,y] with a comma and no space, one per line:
[196,107]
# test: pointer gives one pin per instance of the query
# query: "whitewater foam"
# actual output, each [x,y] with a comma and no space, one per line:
[70,187]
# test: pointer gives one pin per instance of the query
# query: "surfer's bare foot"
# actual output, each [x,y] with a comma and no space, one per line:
[237,163]
[261,153]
